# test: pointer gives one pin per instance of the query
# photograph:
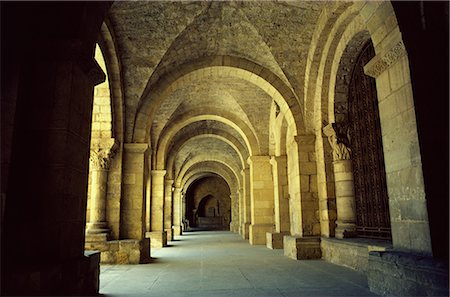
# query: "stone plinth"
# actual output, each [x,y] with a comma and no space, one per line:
[393,273]
[169,233]
[274,240]
[158,239]
[128,251]
[351,252]
[302,248]
[257,233]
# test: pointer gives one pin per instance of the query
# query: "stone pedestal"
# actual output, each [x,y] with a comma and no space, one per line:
[345,199]
[257,233]
[302,248]
[274,240]
[169,233]
[158,239]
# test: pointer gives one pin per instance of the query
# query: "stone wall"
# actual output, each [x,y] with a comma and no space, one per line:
[352,253]
[404,274]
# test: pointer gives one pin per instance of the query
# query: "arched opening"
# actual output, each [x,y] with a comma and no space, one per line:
[208,204]
[371,198]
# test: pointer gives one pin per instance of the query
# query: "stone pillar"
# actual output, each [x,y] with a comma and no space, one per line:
[148,194]
[234,224]
[241,209]
[133,190]
[304,242]
[274,240]
[183,211]
[101,154]
[261,199]
[158,237]
[344,187]
[177,224]
[246,210]
[168,184]
[46,192]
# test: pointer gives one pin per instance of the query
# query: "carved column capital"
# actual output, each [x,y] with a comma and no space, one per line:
[102,151]
[337,137]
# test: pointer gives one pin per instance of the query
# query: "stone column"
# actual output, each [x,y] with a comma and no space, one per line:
[304,241]
[158,237]
[246,203]
[234,224]
[344,186]
[168,184]
[148,194]
[281,193]
[133,190]
[241,209]
[177,224]
[101,154]
[261,199]
[183,211]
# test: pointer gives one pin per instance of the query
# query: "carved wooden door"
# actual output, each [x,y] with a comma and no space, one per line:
[372,210]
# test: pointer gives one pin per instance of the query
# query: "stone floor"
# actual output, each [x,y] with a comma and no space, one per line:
[223,264]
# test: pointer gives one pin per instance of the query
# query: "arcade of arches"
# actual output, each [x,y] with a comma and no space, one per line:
[302,126]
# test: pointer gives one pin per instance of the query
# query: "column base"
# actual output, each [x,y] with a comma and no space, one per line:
[169,233]
[96,237]
[345,230]
[274,240]
[158,239]
[128,251]
[245,230]
[302,248]
[257,233]
[97,228]
[177,230]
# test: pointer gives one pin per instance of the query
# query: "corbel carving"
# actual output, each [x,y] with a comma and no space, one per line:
[339,140]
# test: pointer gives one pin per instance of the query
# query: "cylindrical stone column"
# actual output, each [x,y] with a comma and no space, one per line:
[345,199]
[177,224]
[99,164]
[234,224]
[246,203]
[168,184]
[157,200]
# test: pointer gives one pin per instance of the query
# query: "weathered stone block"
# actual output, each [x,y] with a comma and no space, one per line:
[257,233]
[393,273]
[301,248]
[158,239]
[275,240]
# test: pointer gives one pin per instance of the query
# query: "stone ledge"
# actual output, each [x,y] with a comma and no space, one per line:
[128,251]
[302,248]
[394,273]
[351,252]
[158,239]
[275,240]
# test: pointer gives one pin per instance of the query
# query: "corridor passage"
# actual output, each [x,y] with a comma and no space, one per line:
[223,264]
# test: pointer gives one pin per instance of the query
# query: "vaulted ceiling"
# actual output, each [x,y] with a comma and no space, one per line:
[214,114]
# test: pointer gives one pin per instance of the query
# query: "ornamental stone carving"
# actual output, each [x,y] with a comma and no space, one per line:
[102,151]
[338,138]
[381,62]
